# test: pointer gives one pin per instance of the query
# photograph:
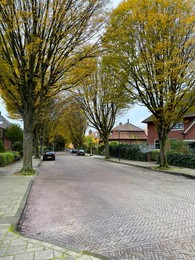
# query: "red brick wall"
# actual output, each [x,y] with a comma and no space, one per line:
[122,141]
[173,134]
[152,133]
[190,135]
[7,144]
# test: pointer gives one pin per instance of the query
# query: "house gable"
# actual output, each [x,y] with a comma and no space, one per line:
[128,133]
[186,133]
[4,124]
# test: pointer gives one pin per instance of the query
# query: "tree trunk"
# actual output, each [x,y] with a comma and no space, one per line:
[36,149]
[27,145]
[36,142]
[162,135]
[107,152]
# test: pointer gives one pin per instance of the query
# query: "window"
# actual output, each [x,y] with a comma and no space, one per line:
[178,126]
[156,144]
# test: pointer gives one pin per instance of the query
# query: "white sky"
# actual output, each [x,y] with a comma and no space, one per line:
[115,2]
[135,115]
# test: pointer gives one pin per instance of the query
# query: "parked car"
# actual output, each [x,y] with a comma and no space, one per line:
[74,151]
[80,152]
[48,155]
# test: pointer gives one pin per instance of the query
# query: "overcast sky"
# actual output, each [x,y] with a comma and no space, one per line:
[115,2]
[136,115]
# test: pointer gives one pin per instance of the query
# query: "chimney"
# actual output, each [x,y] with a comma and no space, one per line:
[127,121]
[120,123]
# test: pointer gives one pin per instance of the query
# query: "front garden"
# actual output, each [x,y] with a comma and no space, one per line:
[178,153]
[8,157]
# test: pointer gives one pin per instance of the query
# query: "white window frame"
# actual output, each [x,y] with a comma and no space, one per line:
[156,144]
[178,126]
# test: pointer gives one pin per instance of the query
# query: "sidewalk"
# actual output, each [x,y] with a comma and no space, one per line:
[187,172]
[14,190]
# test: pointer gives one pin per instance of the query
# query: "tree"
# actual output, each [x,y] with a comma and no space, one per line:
[14,133]
[59,143]
[40,41]
[72,124]
[46,124]
[152,49]
[91,143]
[101,98]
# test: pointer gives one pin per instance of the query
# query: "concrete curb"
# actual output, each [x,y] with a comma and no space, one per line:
[23,204]
[189,176]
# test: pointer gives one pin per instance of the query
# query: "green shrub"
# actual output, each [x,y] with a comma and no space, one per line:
[1,146]
[17,146]
[153,155]
[2,159]
[113,144]
[128,151]
[17,156]
[6,158]
[9,158]
[178,146]
[99,150]
[182,160]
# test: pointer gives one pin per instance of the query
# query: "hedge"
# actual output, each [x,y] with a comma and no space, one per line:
[127,151]
[182,160]
[6,158]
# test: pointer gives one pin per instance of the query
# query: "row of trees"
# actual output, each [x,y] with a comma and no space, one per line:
[154,57]
[144,54]
[40,42]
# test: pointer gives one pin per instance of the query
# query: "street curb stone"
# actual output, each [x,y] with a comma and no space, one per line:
[129,163]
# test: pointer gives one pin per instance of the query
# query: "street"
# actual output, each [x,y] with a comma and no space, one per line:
[116,210]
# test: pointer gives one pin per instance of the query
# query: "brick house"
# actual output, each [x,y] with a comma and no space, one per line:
[184,130]
[128,134]
[4,124]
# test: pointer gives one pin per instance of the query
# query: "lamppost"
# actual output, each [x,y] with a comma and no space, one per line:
[41,145]
[119,143]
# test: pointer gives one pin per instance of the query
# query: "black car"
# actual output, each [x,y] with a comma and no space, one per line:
[74,151]
[80,152]
[48,155]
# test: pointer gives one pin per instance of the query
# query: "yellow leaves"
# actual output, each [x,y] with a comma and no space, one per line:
[79,73]
[34,46]
[152,15]
[190,19]
[91,142]
[4,67]
[21,14]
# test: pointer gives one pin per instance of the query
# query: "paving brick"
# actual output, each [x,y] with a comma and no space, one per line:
[16,250]
[25,256]
[46,254]
[7,258]
[119,211]
[111,209]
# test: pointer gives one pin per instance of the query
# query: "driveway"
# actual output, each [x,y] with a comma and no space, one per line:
[119,211]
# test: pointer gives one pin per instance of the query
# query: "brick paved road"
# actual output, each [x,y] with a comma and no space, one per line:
[119,211]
